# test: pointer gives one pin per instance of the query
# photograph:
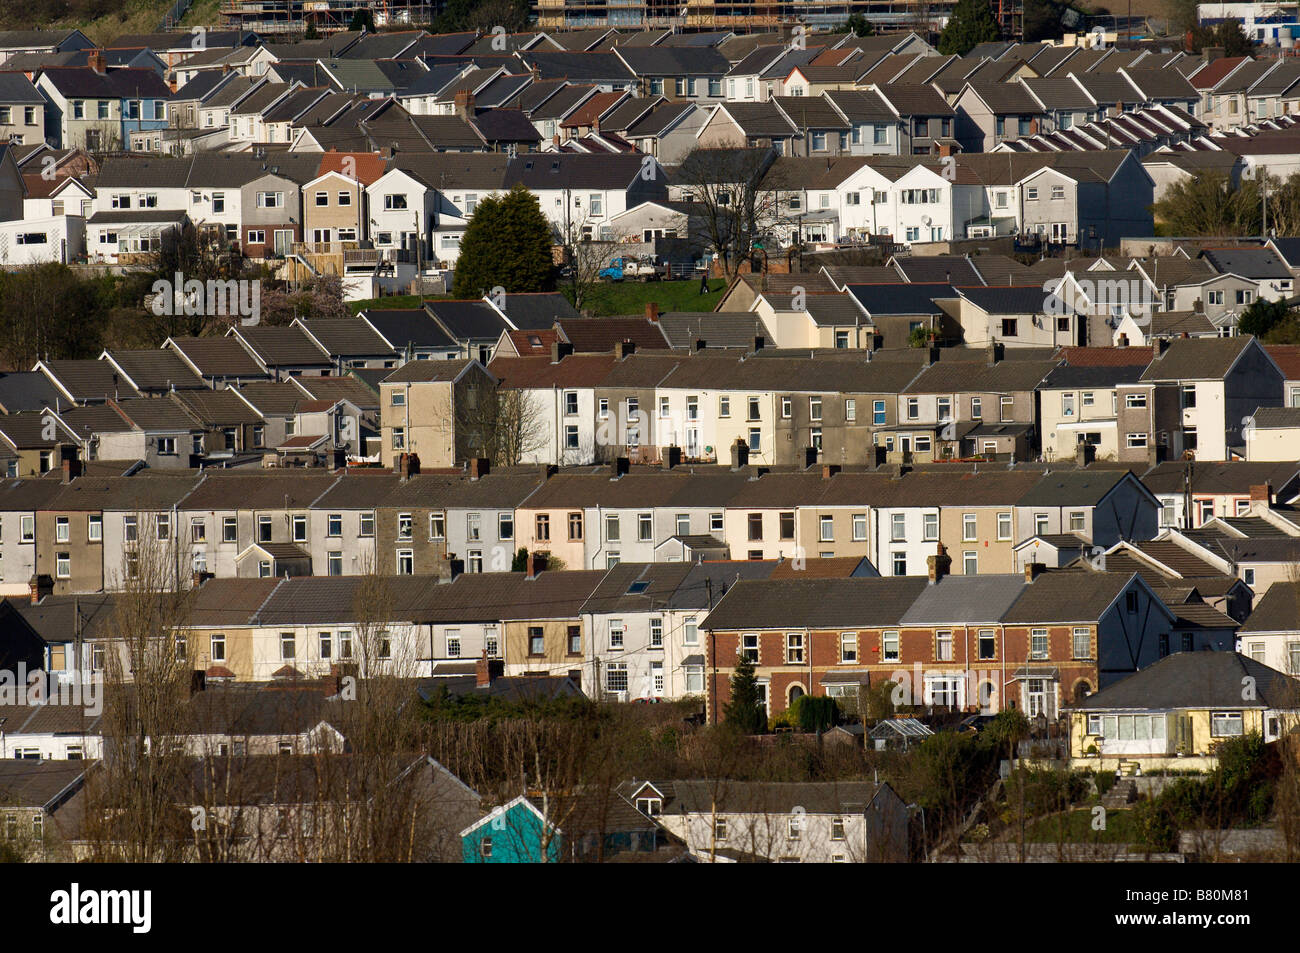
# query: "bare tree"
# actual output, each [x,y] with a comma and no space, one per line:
[135,804]
[737,197]
[508,425]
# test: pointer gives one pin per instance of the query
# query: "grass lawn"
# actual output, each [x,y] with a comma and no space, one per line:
[631,297]
[392,302]
[1075,827]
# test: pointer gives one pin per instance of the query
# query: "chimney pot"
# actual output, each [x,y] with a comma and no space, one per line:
[1033,569]
[652,311]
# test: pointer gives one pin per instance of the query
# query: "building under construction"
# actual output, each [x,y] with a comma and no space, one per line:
[325,16]
[738,15]
[328,16]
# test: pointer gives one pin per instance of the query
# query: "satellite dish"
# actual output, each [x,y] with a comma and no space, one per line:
[925,220]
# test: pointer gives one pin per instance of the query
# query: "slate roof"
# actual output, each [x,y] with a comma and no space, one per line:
[87,379]
[907,298]
[283,346]
[346,337]
[155,369]
[425,372]
[964,599]
[1278,610]
[26,783]
[1197,680]
[1073,487]
[1197,358]
[219,357]
[815,603]
[1067,596]
[403,326]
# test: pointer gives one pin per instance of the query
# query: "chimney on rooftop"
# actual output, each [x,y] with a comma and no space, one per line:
[95,60]
[699,344]
[408,465]
[995,352]
[939,564]
[478,467]
[560,350]
[829,470]
[760,342]
[71,464]
[672,458]
[39,586]
[619,466]
[488,670]
[463,103]
[739,454]
[1262,493]
[1084,453]
[623,348]
[1033,569]
[652,311]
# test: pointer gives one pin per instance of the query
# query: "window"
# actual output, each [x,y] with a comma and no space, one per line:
[473,526]
[130,529]
[755,440]
[229,529]
[334,563]
[787,408]
[755,523]
[543,529]
[970,563]
[878,413]
[616,633]
[405,562]
[298,523]
[827,527]
[1226,724]
[988,644]
[1077,519]
[62,565]
[897,527]
[1081,643]
[719,828]
[575,526]
[859,521]
[287,647]
[367,524]
[1135,401]
[1006,408]
[900,563]
[571,437]
[976,408]
[1136,440]
[61,529]
[656,633]
[794,648]
[690,632]
[754,409]
[968,527]
[612,528]
[1038,644]
[399,438]
[682,523]
[1009,327]
[889,646]
[398,398]
[94,528]
[913,408]
[749,647]
[616,677]
[1040,524]
[930,527]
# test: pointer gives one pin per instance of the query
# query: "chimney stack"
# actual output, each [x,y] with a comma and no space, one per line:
[699,344]
[1033,569]
[463,103]
[560,350]
[759,342]
[39,586]
[408,465]
[619,466]
[739,454]
[810,455]
[1262,493]
[652,311]
[829,470]
[1084,453]
[488,670]
[71,465]
[673,458]
[995,352]
[95,60]
[623,348]
[478,467]
[939,564]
